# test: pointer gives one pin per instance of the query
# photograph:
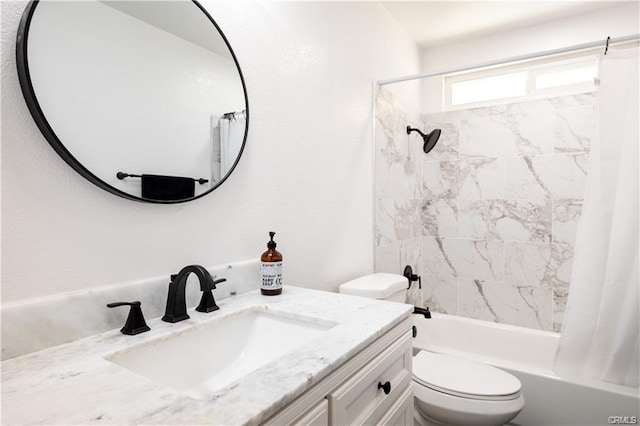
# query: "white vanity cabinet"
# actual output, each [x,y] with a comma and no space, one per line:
[373,387]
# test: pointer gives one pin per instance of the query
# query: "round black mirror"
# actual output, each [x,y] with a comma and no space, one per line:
[145,99]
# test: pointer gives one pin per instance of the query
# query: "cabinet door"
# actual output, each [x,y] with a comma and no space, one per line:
[360,399]
[299,414]
[317,416]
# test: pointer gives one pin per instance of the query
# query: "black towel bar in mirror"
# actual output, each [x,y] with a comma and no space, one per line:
[122,175]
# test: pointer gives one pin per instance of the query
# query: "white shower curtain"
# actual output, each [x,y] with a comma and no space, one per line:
[231,138]
[601,327]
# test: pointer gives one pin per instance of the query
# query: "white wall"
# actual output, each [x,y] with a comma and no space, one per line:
[620,19]
[306,172]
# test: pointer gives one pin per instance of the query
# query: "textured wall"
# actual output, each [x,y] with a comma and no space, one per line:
[488,218]
[306,172]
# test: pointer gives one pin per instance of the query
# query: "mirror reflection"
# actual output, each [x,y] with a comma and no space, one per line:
[144,98]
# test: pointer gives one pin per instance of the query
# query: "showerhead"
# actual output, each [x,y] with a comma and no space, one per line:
[430,139]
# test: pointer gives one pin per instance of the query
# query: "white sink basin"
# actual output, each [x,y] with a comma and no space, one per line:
[209,356]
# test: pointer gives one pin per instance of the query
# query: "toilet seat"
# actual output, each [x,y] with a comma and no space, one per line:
[433,407]
[463,378]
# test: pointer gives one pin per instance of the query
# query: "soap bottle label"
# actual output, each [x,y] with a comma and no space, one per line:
[271,275]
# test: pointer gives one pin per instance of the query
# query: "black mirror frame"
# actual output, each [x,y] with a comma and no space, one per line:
[33,105]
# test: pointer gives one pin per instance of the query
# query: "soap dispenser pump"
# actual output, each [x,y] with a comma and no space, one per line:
[271,269]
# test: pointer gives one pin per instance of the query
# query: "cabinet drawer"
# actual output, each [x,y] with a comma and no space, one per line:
[359,400]
[401,414]
[380,406]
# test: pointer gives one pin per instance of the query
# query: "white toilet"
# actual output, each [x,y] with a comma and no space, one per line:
[448,390]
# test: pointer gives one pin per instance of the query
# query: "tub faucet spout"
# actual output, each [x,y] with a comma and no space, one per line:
[422,311]
[176,309]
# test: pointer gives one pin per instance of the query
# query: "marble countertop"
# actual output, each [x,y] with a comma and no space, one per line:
[74,383]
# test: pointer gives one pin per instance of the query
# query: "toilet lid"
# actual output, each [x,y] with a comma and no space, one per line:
[377,286]
[464,378]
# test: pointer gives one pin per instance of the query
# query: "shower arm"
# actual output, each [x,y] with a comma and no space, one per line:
[411,129]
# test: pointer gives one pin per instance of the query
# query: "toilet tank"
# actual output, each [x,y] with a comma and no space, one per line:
[383,286]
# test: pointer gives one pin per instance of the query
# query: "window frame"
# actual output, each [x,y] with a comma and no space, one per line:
[532,68]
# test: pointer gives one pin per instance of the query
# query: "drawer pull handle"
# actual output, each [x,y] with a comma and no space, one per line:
[385,387]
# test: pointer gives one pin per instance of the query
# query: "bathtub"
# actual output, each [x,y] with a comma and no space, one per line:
[529,355]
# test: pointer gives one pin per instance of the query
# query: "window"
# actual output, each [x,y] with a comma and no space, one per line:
[554,76]
[566,77]
[489,88]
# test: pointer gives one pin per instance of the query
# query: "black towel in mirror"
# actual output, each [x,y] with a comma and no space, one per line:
[167,188]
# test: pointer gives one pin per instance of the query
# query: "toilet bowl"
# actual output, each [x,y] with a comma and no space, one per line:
[453,391]
[448,390]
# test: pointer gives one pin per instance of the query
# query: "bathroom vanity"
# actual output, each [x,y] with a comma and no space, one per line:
[374,387]
[319,358]
[358,399]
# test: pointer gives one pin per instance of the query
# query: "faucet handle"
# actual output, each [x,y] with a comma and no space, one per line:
[221,280]
[409,275]
[135,323]
[207,302]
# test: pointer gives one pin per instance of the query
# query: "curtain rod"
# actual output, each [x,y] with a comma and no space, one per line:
[513,59]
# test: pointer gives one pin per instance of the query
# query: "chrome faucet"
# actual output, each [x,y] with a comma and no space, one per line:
[176,303]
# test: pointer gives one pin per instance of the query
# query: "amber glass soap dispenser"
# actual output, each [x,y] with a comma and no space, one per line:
[271,269]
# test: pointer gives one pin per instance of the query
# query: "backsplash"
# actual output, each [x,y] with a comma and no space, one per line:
[37,324]
[488,218]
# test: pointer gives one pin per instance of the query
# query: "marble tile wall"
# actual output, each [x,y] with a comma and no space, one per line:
[399,187]
[497,209]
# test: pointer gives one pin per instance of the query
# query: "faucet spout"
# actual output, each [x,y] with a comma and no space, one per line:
[176,309]
[422,311]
